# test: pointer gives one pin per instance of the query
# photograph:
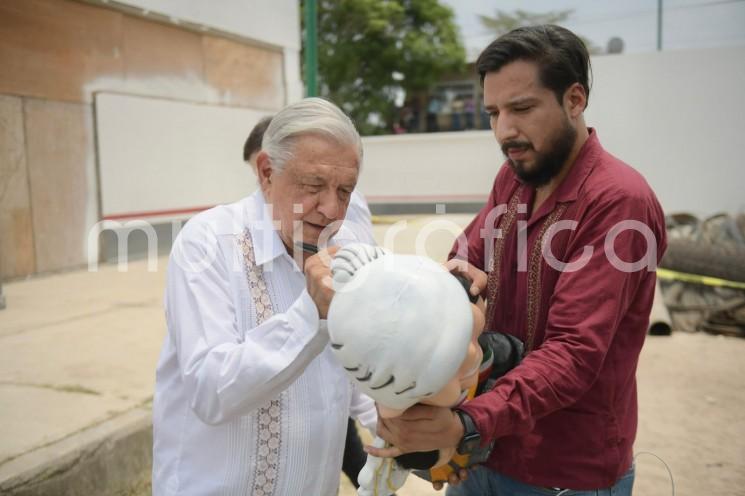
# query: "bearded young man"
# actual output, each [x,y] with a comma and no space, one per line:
[570,237]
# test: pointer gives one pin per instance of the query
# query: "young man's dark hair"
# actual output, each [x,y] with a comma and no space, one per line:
[561,56]
[253,142]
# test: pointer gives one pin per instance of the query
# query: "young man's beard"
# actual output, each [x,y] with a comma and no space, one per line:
[549,164]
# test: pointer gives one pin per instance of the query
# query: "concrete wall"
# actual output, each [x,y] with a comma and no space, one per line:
[678,126]
[56,55]
[456,167]
[677,117]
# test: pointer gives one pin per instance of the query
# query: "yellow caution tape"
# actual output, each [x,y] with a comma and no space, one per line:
[411,220]
[672,275]
[385,219]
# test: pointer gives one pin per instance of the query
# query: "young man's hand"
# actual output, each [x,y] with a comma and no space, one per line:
[477,276]
[420,428]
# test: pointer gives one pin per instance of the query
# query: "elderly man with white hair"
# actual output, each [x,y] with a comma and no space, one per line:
[249,399]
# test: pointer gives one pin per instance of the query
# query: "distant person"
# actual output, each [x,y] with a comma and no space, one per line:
[469,110]
[405,117]
[445,115]
[457,114]
[249,398]
[433,110]
[413,125]
[570,238]
[398,128]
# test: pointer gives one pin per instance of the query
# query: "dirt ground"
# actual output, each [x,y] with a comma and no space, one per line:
[691,419]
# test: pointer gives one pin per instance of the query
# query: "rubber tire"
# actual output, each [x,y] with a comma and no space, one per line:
[725,261]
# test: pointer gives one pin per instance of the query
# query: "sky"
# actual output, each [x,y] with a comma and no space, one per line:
[686,23]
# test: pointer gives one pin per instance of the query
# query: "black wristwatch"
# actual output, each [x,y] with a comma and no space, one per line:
[471,439]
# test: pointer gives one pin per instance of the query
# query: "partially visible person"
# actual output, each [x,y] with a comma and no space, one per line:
[252,146]
[359,215]
[468,110]
[570,237]
[434,107]
[249,398]
[457,114]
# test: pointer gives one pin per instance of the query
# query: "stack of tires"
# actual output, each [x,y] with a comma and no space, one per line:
[709,257]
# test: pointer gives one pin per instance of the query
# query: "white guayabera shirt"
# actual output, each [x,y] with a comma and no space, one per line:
[248,397]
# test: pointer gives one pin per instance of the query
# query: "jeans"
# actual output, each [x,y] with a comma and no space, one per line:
[482,482]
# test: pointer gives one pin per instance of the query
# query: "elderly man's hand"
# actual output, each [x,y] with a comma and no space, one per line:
[477,276]
[318,278]
[420,428]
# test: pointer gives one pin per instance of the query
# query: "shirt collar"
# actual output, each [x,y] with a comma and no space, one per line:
[265,236]
[568,190]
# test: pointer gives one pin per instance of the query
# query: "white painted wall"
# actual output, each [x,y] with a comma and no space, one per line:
[162,155]
[677,117]
[429,168]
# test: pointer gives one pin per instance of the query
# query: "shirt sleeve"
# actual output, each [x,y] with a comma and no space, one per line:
[227,373]
[583,317]
[363,410]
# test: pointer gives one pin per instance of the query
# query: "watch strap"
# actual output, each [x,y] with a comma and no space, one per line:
[471,437]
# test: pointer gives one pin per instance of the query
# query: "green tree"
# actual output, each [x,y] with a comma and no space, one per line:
[504,22]
[369,51]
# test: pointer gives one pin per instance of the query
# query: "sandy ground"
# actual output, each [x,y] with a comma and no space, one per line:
[691,419]
[78,348]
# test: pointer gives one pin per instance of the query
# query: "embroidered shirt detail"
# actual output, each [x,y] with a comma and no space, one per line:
[534,276]
[492,283]
[269,416]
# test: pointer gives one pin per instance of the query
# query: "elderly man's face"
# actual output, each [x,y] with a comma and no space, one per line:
[313,189]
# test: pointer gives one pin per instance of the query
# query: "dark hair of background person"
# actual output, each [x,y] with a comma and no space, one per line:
[561,56]
[253,142]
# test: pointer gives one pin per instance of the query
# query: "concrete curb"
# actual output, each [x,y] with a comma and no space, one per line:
[107,459]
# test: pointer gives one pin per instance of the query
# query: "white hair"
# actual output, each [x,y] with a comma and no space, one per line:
[308,116]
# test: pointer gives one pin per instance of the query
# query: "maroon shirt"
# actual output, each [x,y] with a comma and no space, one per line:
[567,415]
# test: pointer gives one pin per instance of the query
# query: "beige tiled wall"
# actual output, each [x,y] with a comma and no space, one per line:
[243,74]
[59,153]
[16,232]
[50,49]
[170,58]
